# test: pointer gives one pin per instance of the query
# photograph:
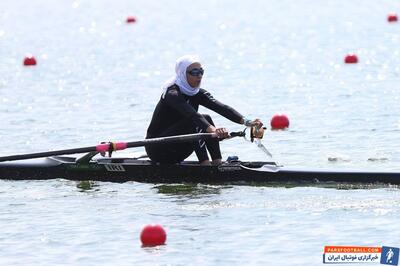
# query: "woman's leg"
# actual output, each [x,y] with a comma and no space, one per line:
[169,153]
[213,145]
[200,149]
[172,153]
[175,153]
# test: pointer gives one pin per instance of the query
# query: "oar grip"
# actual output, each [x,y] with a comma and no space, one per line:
[237,134]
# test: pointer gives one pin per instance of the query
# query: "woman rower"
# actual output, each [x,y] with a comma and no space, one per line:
[177,113]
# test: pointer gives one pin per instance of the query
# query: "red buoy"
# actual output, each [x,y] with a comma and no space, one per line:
[351,59]
[130,19]
[153,235]
[29,60]
[392,17]
[279,121]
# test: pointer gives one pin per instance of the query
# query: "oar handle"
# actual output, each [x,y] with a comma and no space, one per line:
[237,134]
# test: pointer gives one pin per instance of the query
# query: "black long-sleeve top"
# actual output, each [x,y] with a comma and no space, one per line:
[175,106]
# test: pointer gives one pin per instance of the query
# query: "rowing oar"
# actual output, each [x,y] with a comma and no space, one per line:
[115,146]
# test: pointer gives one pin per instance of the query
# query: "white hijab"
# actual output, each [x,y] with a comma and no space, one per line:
[182,63]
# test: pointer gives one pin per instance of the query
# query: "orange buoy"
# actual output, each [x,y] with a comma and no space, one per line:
[279,121]
[392,17]
[130,19]
[351,59]
[153,235]
[30,60]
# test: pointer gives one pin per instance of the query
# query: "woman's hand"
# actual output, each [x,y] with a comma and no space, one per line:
[221,133]
[253,123]
[257,123]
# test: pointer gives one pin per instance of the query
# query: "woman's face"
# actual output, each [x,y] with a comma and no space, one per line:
[194,74]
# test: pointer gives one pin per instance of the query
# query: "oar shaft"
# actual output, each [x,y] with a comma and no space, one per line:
[115,146]
[46,153]
[171,139]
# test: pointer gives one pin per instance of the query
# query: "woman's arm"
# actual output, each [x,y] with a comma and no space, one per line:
[208,101]
[211,103]
[174,99]
[251,123]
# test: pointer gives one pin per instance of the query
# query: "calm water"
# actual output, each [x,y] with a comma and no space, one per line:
[98,79]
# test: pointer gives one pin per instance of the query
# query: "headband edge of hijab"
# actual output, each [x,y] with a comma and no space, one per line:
[181,65]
